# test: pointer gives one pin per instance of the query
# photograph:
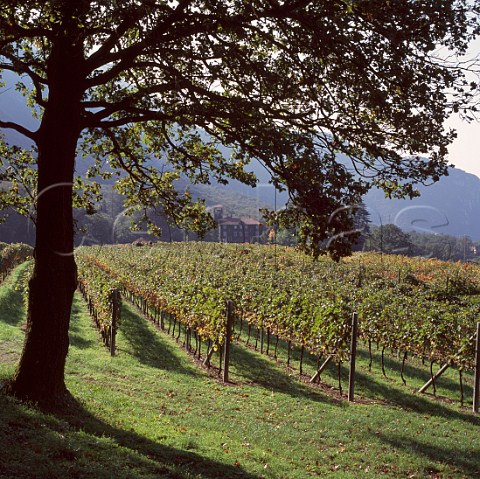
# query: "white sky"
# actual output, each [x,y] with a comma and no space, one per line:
[464,152]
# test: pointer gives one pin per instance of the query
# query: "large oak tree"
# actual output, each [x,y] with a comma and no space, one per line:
[331,96]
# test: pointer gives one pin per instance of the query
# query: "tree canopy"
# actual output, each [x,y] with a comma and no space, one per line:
[390,239]
[295,84]
[331,97]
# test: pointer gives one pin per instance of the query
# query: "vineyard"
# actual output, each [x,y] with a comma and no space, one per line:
[12,255]
[154,411]
[421,307]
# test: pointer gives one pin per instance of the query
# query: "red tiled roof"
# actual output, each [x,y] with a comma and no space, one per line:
[238,221]
[229,221]
[250,221]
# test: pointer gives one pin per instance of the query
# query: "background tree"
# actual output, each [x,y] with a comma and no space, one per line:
[287,237]
[361,222]
[445,247]
[156,87]
[390,239]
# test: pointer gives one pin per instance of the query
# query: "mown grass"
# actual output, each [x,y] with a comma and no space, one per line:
[152,412]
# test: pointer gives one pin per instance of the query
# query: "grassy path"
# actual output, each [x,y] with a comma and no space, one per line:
[151,412]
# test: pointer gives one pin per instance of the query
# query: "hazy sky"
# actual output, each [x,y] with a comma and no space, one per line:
[464,152]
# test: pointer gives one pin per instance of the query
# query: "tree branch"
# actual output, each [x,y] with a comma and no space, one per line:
[19,128]
[21,67]
[100,57]
[36,79]
[142,116]
[129,54]
[204,24]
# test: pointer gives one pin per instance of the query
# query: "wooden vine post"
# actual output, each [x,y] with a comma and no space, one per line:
[353,357]
[115,319]
[476,388]
[228,340]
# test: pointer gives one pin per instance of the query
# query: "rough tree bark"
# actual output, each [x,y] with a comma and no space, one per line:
[40,373]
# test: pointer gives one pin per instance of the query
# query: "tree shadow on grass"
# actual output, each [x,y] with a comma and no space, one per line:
[421,374]
[467,463]
[148,346]
[253,367]
[407,400]
[392,366]
[73,443]
[75,335]
[393,392]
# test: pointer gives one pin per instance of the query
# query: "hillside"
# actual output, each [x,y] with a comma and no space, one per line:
[450,206]
[110,224]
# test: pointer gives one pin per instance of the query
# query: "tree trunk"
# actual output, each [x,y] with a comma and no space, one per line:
[40,373]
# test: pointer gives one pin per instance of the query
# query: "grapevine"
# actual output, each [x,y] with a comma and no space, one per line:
[417,306]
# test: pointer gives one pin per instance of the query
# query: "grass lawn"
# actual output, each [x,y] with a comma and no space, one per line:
[151,412]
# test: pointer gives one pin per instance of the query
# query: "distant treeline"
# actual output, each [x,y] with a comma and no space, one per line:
[390,239]
[111,224]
